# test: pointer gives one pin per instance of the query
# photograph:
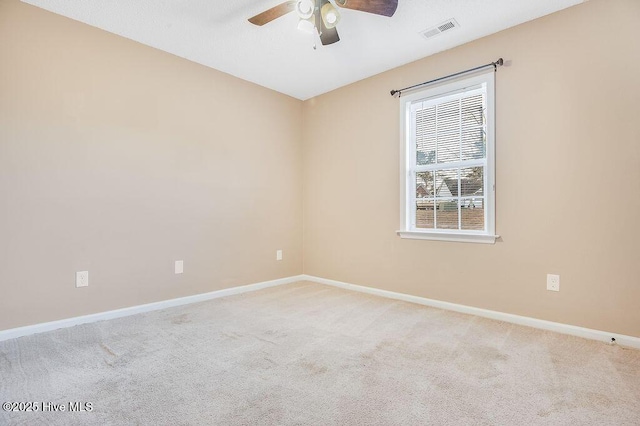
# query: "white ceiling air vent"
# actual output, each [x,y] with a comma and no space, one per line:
[447,25]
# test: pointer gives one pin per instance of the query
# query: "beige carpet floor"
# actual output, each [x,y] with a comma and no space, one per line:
[308,354]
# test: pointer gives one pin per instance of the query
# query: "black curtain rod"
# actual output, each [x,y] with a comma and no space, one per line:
[495,66]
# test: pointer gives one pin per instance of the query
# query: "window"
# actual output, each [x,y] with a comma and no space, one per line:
[447,169]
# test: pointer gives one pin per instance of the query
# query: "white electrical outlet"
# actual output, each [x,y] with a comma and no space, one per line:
[553,282]
[179,268]
[82,279]
[278,254]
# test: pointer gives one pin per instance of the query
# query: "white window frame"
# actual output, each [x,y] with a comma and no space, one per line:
[408,159]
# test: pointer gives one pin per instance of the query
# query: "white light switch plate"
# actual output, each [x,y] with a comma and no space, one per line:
[278,254]
[82,279]
[179,266]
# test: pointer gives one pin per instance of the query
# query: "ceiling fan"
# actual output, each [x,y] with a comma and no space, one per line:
[322,16]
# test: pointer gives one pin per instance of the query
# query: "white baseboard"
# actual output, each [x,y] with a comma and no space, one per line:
[132,310]
[587,333]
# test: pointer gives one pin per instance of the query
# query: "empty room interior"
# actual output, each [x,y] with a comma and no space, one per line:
[320,212]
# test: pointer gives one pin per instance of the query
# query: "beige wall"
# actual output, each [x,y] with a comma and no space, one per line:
[568,176]
[119,159]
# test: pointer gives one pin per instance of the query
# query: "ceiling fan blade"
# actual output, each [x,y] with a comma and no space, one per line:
[327,35]
[379,7]
[273,13]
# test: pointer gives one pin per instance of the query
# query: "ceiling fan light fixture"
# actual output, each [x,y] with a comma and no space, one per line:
[330,15]
[304,8]
[307,26]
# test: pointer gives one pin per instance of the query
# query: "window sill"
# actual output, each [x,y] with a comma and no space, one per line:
[459,238]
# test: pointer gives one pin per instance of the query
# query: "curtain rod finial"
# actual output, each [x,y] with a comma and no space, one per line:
[500,62]
[393,93]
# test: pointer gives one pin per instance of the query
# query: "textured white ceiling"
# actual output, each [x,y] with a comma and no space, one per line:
[216,33]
